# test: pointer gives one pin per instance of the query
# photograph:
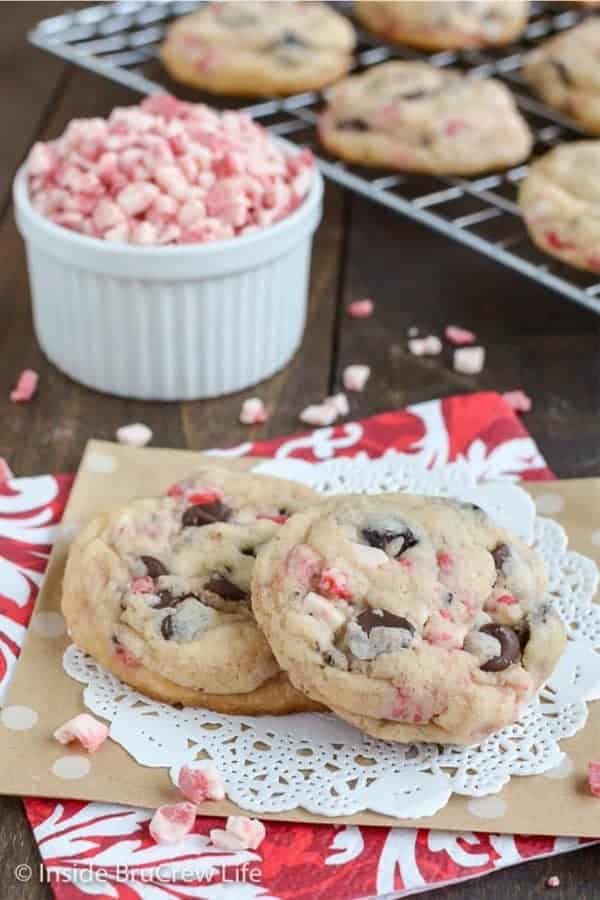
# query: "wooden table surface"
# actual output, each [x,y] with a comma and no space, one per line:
[535,339]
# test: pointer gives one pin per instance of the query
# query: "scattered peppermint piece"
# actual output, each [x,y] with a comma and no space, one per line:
[201,781]
[320,414]
[253,412]
[594,778]
[355,377]
[469,360]
[433,345]
[416,346]
[372,557]
[553,881]
[413,331]
[135,435]
[334,582]
[171,823]
[339,402]
[457,335]
[26,386]
[142,585]
[427,346]
[240,833]
[5,470]
[360,309]
[518,400]
[84,728]
[327,412]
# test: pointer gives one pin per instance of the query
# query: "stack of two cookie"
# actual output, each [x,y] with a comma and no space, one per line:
[412,618]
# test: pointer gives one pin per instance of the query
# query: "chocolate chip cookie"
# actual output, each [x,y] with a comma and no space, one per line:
[416,117]
[565,72]
[259,48]
[560,202]
[158,592]
[446,24]
[413,618]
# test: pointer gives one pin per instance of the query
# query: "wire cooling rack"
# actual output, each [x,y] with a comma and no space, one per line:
[120,41]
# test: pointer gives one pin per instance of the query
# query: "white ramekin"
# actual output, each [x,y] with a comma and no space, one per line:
[169,323]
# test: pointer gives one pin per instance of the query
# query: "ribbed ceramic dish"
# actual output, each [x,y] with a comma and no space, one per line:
[172,322]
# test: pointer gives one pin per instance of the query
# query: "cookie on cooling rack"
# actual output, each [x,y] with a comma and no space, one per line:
[158,592]
[259,48]
[565,72]
[415,117]
[446,24]
[560,201]
[413,618]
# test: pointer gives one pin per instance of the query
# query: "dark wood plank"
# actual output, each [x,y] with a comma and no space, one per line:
[578,873]
[18,848]
[30,82]
[534,338]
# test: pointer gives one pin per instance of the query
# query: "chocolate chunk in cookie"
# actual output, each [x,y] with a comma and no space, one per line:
[154,567]
[352,125]
[166,599]
[289,40]
[562,72]
[381,618]
[510,647]
[376,632]
[167,628]
[223,587]
[205,514]
[500,554]
[381,538]
[414,95]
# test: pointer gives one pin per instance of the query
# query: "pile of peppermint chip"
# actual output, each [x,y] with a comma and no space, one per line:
[166,172]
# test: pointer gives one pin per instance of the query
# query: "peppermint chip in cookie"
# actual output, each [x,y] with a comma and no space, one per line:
[158,592]
[259,48]
[416,117]
[560,202]
[446,24]
[565,72]
[413,618]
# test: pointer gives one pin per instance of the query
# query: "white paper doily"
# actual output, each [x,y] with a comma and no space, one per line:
[316,761]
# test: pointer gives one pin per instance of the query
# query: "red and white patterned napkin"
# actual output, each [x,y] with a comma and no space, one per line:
[105,851]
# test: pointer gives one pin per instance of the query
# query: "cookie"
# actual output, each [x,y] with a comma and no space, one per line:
[445,25]
[413,618]
[158,592]
[564,71]
[415,117]
[259,49]
[560,202]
